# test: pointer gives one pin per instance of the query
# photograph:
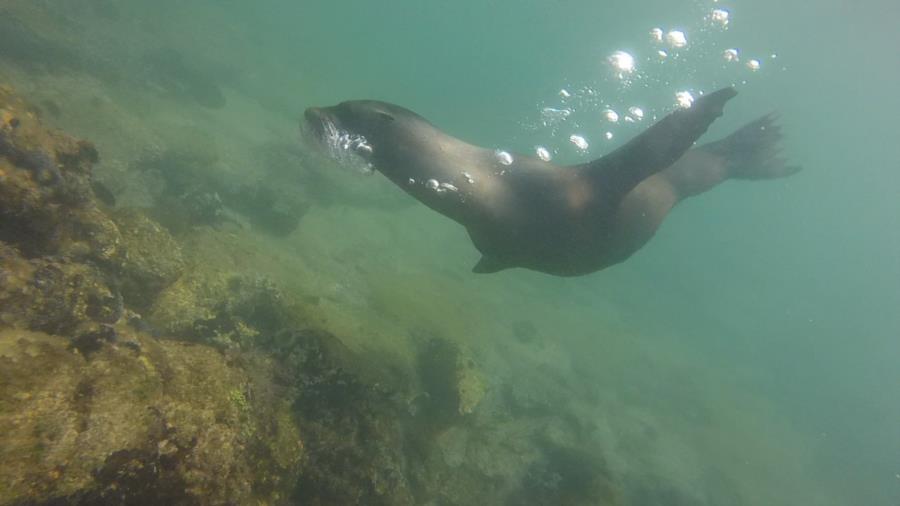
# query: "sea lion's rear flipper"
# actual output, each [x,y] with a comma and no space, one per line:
[752,151]
[488,265]
[658,147]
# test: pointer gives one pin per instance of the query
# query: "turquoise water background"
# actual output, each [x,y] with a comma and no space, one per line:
[792,282]
[791,285]
[757,336]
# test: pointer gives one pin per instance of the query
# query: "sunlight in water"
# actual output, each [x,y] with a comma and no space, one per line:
[667,59]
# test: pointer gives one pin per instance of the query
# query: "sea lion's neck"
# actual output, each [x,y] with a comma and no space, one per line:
[445,173]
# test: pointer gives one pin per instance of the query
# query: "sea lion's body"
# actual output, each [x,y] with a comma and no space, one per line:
[524,212]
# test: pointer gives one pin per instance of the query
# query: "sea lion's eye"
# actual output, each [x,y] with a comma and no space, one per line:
[384,116]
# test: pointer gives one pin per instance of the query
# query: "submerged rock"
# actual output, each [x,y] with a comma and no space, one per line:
[68,261]
[172,424]
[93,410]
[272,211]
[566,476]
[216,306]
[153,260]
[354,434]
[55,295]
[453,384]
[146,363]
[47,205]
[67,268]
[195,191]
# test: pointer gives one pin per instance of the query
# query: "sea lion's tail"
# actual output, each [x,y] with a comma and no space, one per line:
[753,151]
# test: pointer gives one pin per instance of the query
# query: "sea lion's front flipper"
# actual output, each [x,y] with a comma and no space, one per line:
[656,148]
[488,265]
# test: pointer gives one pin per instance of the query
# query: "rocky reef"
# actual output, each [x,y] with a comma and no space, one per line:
[185,406]
[138,366]
[140,421]
[95,408]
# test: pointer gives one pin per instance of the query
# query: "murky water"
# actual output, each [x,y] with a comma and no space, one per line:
[255,322]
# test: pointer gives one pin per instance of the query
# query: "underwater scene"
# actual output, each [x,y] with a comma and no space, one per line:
[443,253]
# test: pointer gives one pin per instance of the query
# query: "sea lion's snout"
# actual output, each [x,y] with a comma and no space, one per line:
[314,114]
[316,121]
[325,132]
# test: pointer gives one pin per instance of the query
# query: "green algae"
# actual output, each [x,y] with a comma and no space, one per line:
[171,399]
[154,260]
[94,409]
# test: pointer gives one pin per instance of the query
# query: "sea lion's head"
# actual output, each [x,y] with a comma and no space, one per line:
[353,131]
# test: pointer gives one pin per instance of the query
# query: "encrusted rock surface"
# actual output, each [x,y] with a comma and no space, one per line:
[152,259]
[140,422]
[47,205]
[93,409]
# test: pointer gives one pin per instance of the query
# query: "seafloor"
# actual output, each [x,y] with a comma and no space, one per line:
[194,311]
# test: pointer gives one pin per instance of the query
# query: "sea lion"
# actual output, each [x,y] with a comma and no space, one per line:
[524,212]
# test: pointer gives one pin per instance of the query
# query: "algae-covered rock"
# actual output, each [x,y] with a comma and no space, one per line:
[222,308]
[271,209]
[354,434]
[152,423]
[451,379]
[568,476]
[470,384]
[57,296]
[187,179]
[152,260]
[47,206]
[67,263]
[219,301]
[192,298]
[196,190]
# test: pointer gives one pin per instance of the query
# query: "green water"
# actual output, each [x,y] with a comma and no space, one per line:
[788,288]
[747,355]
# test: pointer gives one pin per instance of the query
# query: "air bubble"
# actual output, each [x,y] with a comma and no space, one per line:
[608,136]
[610,115]
[635,113]
[551,116]
[622,63]
[730,55]
[753,65]
[432,184]
[719,17]
[684,99]
[542,153]
[656,35]
[345,147]
[503,157]
[676,39]
[579,142]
